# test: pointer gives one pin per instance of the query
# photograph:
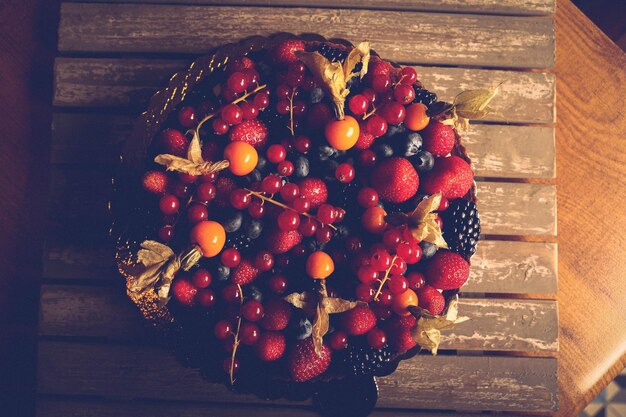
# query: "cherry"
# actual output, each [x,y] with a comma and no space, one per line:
[249,333]
[276,153]
[220,127]
[206,192]
[377,338]
[327,214]
[206,298]
[230,257]
[201,278]
[252,310]
[240,198]
[264,261]
[344,173]
[222,329]
[397,284]
[408,75]
[285,168]
[166,233]
[256,209]
[231,293]
[277,283]
[301,204]
[381,260]
[169,204]
[187,117]
[367,197]
[232,114]
[376,125]
[338,340]
[288,220]
[237,82]
[358,104]
[367,274]
[404,93]
[289,191]
[196,213]
[249,111]
[307,227]
[271,184]
[416,280]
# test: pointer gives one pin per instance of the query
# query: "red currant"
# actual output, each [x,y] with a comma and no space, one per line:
[205,192]
[264,261]
[222,329]
[252,310]
[397,284]
[408,75]
[249,111]
[416,280]
[232,114]
[392,238]
[201,278]
[220,127]
[367,158]
[277,283]
[237,82]
[231,293]
[288,220]
[327,214]
[358,104]
[393,113]
[398,267]
[240,198]
[187,117]
[377,338]
[271,184]
[307,227]
[289,191]
[249,333]
[230,257]
[285,168]
[376,126]
[169,204]
[385,297]
[381,260]
[283,107]
[276,153]
[166,233]
[196,213]
[324,234]
[338,340]
[367,274]
[381,83]
[367,197]
[261,100]
[206,297]
[344,173]
[403,93]
[301,204]
[302,144]
[256,209]
[364,292]
[444,204]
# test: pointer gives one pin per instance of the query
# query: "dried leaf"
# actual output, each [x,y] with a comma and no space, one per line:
[470,104]
[360,53]
[428,328]
[304,301]
[422,221]
[320,328]
[337,305]
[194,164]
[194,151]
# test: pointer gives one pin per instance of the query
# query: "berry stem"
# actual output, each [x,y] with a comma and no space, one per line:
[366,115]
[231,371]
[237,100]
[385,278]
[286,207]
[293,91]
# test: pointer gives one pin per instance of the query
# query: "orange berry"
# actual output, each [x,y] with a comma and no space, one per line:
[342,134]
[373,220]
[319,265]
[210,236]
[416,118]
[401,302]
[242,158]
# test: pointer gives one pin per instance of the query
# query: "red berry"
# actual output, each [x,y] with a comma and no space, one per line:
[344,173]
[431,299]
[197,213]
[302,144]
[395,179]
[398,267]
[358,321]
[252,310]
[240,198]
[367,274]
[278,241]
[249,333]
[381,260]
[220,127]
[327,214]
[250,112]
[367,197]
[288,220]
[338,340]
[155,182]
[397,284]
[187,117]
[261,100]
[230,257]
[408,75]
[377,338]
[256,209]
[264,261]
[232,114]
[446,270]
[184,291]
[324,234]
[438,138]
[285,168]
[367,158]
[305,364]
[404,93]
[206,192]
[201,278]
[277,283]
[206,298]
[284,52]
[222,329]
[393,113]
[270,346]
[277,314]
[315,190]
[416,280]
[276,153]
[166,233]
[169,204]
[271,184]
[381,83]
[245,272]
[231,293]
[358,104]
[307,227]
[171,141]
[237,82]
[385,297]
[376,125]
[364,292]
[392,238]
[301,204]
[289,191]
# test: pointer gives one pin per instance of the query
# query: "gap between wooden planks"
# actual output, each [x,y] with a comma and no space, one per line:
[494,41]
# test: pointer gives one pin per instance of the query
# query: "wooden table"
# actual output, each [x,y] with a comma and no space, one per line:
[579,376]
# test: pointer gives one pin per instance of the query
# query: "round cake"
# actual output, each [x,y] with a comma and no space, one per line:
[295,216]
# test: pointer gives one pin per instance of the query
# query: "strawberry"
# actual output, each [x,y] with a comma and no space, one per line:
[360,320]
[365,139]
[446,270]
[315,190]
[431,299]
[305,364]
[277,314]
[452,176]
[401,340]
[270,346]
[253,132]
[284,52]
[155,182]
[395,180]
[245,272]
[438,138]
[279,241]
[240,64]
[173,142]
[223,187]
[184,292]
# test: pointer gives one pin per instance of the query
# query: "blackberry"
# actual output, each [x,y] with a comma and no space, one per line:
[362,359]
[461,227]
[332,54]
[425,97]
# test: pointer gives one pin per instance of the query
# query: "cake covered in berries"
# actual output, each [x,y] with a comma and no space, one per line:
[295,211]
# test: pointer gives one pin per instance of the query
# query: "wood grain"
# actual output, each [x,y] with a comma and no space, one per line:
[64,407]
[498,151]
[495,324]
[522,7]
[525,97]
[515,384]
[591,164]
[495,41]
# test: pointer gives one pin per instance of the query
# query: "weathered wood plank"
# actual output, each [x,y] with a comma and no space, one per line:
[495,324]
[63,407]
[525,7]
[513,267]
[525,97]
[496,150]
[514,384]
[495,41]
[517,209]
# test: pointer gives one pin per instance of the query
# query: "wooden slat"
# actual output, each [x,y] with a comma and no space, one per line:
[496,150]
[495,324]
[522,7]
[513,267]
[64,407]
[525,97]
[514,384]
[495,41]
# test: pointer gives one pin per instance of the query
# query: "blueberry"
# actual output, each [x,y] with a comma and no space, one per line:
[424,161]
[342,231]
[317,95]
[394,130]
[233,222]
[223,272]
[301,167]
[384,150]
[328,168]
[325,152]
[254,229]
[410,145]
[261,163]
[252,292]
[304,328]
[428,249]
[254,176]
